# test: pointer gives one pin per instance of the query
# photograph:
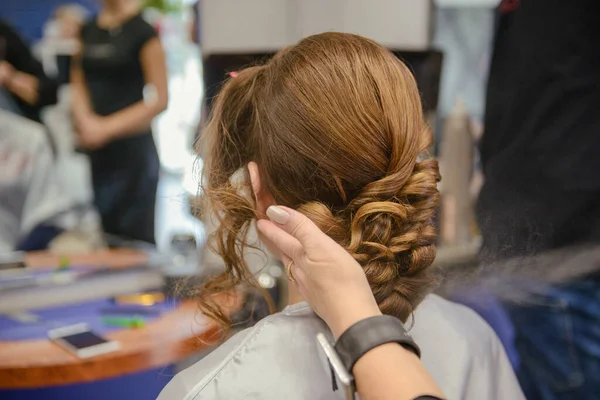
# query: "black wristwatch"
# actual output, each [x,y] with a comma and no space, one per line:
[357,340]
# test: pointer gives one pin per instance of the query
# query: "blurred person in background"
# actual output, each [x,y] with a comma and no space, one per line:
[119,84]
[540,155]
[33,208]
[70,18]
[22,79]
[61,40]
[30,200]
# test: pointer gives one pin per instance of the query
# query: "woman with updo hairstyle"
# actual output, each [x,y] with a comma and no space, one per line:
[331,127]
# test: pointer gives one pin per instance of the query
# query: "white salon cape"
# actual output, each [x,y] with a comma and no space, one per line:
[279,358]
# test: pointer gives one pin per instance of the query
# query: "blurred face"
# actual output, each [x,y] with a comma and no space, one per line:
[69,27]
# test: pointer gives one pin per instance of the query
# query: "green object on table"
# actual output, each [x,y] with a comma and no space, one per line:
[125,322]
[63,263]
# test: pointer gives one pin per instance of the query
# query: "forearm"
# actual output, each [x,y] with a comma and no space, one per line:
[392,372]
[388,371]
[132,120]
[80,102]
[24,86]
[22,74]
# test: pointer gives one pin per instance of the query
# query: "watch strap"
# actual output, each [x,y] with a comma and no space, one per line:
[369,333]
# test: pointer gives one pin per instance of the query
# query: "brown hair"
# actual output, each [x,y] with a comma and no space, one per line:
[335,125]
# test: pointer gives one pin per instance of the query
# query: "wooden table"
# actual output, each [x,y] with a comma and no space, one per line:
[170,338]
[114,258]
[164,341]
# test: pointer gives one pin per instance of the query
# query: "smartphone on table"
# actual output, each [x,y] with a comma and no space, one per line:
[81,341]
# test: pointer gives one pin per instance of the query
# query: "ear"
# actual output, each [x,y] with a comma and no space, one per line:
[254,178]
[261,194]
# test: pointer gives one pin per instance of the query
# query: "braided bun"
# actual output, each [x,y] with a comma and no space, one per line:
[391,235]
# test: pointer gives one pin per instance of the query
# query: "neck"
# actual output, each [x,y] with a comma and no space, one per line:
[294,295]
[120,7]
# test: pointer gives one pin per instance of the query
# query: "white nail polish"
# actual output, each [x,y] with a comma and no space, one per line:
[278,215]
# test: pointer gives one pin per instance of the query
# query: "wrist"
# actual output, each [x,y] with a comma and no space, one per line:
[351,316]
[9,79]
[369,334]
[110,128]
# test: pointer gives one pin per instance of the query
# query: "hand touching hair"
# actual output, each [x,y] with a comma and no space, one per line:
[335,125]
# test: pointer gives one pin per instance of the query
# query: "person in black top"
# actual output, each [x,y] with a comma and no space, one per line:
[119,85]
[22,78]
[540,156]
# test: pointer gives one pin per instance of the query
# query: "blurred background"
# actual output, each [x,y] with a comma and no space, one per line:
[68,257]
[190,31]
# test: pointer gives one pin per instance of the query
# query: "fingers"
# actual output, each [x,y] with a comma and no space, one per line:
[296,272]
[285,243]
[294,223]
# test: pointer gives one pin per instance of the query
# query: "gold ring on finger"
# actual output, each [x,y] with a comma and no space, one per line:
[288,270]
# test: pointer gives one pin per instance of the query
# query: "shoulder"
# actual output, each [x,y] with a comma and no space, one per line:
[456,318]
[462,352]
[194,380]
[140,32]
[443,325]
[16,47]
[7,30]
[141,27]
[253,359]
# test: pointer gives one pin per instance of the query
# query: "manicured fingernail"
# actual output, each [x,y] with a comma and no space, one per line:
[278,215]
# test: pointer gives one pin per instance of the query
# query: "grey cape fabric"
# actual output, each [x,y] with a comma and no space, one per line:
[279,358]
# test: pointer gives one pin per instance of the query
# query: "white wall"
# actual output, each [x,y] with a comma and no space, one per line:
[402,24]
[258,25]
[245,25]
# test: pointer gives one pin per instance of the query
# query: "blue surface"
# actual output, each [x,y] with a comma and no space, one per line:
[29,16]
[89,312]
[145,385]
